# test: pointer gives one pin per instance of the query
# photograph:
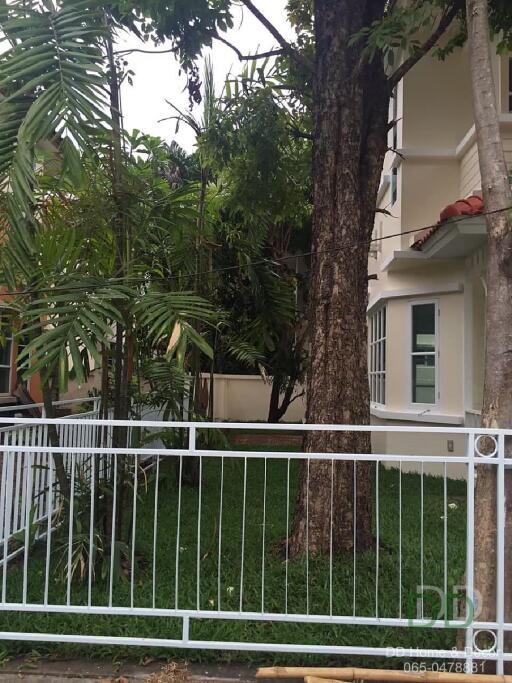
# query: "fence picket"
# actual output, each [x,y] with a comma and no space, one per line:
[241,490]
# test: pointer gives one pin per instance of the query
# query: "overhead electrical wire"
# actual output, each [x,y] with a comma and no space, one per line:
[148,279]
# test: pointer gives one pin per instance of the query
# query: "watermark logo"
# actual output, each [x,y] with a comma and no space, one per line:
[430,604]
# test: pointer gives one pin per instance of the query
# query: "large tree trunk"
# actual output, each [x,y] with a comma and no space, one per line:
[277,407]
[497,195]
[351,118]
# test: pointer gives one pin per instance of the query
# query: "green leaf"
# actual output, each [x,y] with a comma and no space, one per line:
[196,339]
[53,78]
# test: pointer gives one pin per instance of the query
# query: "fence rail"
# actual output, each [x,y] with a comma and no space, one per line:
[170,520]
[29,494]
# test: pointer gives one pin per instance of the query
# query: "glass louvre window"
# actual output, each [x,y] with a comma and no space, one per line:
[424,350]
[377,359]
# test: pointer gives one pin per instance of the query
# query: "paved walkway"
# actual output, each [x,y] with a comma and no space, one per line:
[94,671]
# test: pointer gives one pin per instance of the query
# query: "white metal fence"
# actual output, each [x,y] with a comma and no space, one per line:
[138,539]
[29,494]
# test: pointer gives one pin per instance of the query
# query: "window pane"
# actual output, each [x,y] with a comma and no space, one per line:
[424,379]
[424,327]
[4,380]
[377,355]
[5,352]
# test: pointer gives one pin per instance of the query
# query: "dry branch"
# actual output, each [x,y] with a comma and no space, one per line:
[332,675]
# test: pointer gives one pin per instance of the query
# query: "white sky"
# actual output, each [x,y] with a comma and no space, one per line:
[157,79]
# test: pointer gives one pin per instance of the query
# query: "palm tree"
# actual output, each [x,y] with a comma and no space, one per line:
[203,254]
[59,124]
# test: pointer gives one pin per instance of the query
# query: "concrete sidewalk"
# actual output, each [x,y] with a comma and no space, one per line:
[104,671]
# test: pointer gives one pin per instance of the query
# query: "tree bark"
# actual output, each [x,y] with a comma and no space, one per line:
[274,409]
[190,465]
[350,141]
[58,459]
[497,195]
[278,404]
[121,397]
[123,247]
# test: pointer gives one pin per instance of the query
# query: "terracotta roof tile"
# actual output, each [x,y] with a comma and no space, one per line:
[471,206]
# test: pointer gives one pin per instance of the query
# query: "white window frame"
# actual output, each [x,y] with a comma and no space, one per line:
[435,354]
[377,350]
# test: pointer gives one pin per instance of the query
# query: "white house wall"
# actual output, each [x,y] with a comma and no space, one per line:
[437,103]
[428,185]
[470,180]
[437,164]
[469,172]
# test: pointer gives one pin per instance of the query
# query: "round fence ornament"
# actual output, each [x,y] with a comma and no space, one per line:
[492,646]
[488,440]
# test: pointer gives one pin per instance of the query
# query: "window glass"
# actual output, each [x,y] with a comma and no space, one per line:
[424,379]
[377,356]
[424,353]
[5,352]
[394,185]
[424,327]
[5,356]
[5,374]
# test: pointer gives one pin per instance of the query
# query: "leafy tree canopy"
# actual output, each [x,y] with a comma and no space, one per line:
[192,25]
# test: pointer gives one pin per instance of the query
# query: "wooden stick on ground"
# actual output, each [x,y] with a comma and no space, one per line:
[334,675]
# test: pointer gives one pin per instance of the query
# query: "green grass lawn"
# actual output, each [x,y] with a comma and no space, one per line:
[220,587]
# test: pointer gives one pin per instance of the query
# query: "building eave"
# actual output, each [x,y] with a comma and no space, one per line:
[402,259]
[456,240]
[415,292]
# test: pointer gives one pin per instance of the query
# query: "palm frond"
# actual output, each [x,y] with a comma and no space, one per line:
[53,83]
[243,351]
[65,324]
[158,312]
